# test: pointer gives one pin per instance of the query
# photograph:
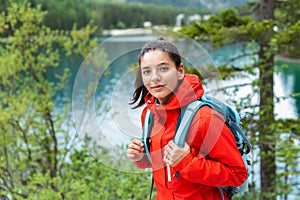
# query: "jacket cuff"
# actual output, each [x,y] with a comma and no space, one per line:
[143,163]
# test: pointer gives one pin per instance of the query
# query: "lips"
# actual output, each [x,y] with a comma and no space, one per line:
[157,87]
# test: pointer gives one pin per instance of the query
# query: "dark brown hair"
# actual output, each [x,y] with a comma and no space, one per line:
[158,44]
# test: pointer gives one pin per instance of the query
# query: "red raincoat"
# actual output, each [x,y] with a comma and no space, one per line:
[214,159]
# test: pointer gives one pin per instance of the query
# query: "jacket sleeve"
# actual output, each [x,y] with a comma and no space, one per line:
[217,160]
[144,163]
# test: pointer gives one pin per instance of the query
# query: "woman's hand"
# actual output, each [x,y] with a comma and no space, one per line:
[135,150]
[173,154]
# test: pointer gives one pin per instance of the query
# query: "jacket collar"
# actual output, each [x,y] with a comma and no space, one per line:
[189,90]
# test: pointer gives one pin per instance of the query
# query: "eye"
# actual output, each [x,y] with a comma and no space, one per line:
[164,68]
[146,71]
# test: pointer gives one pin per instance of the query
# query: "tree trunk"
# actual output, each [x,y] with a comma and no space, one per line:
[267,135]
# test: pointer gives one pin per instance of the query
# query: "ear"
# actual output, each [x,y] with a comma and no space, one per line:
[181,71]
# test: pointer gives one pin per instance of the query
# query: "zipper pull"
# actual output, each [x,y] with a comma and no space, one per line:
[169,173]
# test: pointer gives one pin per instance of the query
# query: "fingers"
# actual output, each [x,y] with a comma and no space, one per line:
[137,142]
[171,148]
[170,158]
[136,145]
[135,150]
[167,158]
[173,154]
[172,145]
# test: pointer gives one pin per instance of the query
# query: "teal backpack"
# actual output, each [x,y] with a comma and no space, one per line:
[232,120]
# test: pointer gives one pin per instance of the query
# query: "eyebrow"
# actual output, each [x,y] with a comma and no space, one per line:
[160,64]
[145,67]
[163,63]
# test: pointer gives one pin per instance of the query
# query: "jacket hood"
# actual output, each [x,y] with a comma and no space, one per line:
[189,90]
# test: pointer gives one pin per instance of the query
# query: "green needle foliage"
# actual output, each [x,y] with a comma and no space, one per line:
[38,154]
[263,30]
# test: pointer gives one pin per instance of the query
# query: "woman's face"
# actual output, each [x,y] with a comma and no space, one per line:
[160,75]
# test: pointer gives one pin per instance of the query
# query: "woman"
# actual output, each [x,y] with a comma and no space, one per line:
[209,158]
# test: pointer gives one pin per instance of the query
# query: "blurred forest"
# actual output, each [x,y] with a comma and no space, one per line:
[264,29]
[38,156]
[106,14]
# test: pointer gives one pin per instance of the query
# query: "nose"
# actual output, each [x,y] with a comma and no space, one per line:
[155,76]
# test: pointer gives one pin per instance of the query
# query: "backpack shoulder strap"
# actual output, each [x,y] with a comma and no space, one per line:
[226,110]
[186,118]
[148,122]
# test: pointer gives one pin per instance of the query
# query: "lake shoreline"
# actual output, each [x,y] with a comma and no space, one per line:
[148,31]
[287,59]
